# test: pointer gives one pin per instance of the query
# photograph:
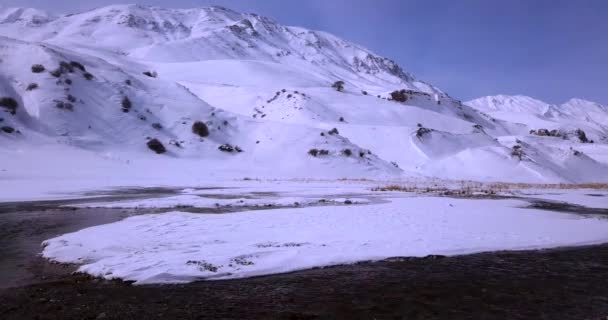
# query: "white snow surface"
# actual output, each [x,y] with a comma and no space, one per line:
[179,247]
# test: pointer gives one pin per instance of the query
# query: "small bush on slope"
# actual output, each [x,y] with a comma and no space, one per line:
[66,67]
[338,85]
[78,65]
[64,105]
[517,152]
[31,86]
[546,133]
[422,131]
[399,95]
[581,135]
[156,146]
[229,148]
[38,68]
[151,74]
[318,152]
[200,128]
[88,76]
[126,104]
[10,104]
[8,129]
[56,73]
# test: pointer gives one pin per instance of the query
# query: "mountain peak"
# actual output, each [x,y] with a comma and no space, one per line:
[24,16]
[216,33]
[509,103]
[581,103]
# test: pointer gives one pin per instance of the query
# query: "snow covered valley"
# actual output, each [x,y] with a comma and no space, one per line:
[250,228]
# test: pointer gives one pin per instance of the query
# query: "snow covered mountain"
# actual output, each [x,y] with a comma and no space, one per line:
[170,35]
[228,94]
[574,114]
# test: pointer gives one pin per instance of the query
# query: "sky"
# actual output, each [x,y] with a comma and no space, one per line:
[551,50]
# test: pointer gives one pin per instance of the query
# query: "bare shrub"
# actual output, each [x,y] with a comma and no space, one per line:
[56,73]
[8,129]
[10,104]
[226,148]
[399,95]
[581,135]
[422,131]
[338,85]
[66,67]
[200,128]
[78,65]
[126,104]
[64,105]
[38,68]
[151,74]
[156,146]
[517,152]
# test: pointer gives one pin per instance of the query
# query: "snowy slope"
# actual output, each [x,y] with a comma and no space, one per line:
[171,35]
[535,114]
[266,88]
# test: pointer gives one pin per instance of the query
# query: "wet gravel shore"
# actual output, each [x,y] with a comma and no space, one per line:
[570,283]
[567,283]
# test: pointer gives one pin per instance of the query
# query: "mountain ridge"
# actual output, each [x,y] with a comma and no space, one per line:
[245,36]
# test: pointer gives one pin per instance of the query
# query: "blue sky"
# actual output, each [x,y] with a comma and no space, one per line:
[548,49]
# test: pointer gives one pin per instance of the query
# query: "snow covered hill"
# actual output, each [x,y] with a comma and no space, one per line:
[574,114]
[215,33]
[227,94]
